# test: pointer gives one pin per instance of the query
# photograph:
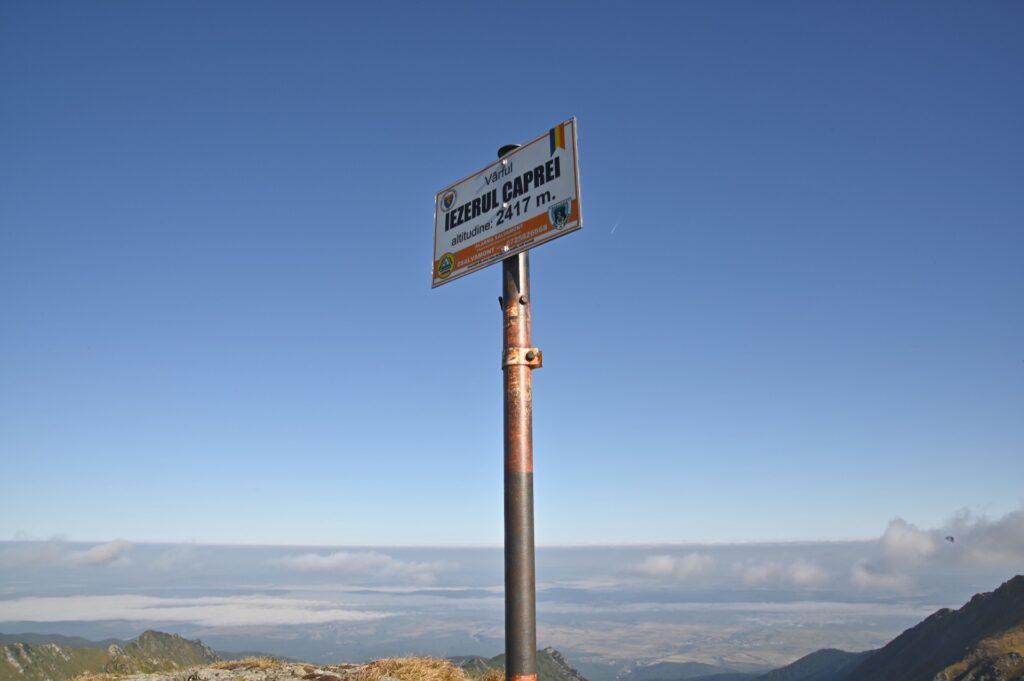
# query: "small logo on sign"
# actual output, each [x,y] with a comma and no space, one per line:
[448,200]
[445,265]
[559,214]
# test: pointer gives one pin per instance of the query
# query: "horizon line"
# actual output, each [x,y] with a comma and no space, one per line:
[580,545]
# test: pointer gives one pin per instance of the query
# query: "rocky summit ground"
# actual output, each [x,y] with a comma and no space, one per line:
[156,656]
[268,669]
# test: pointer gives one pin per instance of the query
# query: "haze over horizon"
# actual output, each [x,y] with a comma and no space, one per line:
[605,607]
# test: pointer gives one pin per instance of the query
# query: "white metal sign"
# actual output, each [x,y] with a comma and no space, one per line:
[530,196]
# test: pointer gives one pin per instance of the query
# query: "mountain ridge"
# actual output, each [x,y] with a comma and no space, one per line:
[168,655]
[946,637]
[551,665]
[828,664]
[981,641]
[151,651]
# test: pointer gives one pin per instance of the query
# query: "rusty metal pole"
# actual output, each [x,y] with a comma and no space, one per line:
[519,360]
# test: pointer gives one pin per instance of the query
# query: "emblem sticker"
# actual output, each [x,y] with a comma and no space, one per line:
[445,265]
[559,214]
[448,200]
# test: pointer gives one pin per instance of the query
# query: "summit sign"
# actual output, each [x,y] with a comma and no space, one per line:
[528,197]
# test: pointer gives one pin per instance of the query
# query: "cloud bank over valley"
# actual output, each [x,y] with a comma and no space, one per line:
[599,603]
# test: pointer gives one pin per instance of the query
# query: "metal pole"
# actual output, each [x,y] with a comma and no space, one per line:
[518,361]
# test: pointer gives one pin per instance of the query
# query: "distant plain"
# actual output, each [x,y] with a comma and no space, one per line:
[744,606]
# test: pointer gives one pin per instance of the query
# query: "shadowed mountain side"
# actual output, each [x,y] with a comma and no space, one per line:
[948,637]
[824,665]
[982,641]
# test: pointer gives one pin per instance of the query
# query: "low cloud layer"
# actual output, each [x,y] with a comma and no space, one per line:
[364,564]
[57,551]
[904,559]
[870,576]
[213,611]
[101,554]
[679,568]
[800,574]
[29,554]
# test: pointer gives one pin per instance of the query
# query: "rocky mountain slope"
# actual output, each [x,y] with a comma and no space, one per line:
[152,651]
[980,631]
[393,669]
[155,656]
[982,641]
[997,657]
[551,666]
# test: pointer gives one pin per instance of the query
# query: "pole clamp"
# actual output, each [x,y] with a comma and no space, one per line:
[530,357]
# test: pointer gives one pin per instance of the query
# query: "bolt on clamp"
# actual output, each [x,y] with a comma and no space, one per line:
[530,357]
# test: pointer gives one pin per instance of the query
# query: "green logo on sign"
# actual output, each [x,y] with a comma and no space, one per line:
[445,265]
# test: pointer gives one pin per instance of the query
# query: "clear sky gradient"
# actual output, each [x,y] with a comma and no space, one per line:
[794,310]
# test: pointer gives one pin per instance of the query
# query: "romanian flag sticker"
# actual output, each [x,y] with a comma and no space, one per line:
[557,138]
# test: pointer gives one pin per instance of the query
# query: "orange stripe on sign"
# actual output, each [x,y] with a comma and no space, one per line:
[536,226]
[523,677]
[493,245]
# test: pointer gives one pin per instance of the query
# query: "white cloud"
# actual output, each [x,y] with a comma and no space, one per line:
[828,609]
[980,541]
[211,611]
[365,564]
[965,539]
[866,576]
[669,567]
[804,574]
[56,551]
[759,573]
[801,573]
[101,554]
[905,544]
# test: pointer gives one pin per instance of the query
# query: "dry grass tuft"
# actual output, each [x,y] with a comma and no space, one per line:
[998,650]
[248,663]
[408,669]
[88,676]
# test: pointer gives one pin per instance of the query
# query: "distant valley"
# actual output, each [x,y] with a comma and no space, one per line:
[981,641]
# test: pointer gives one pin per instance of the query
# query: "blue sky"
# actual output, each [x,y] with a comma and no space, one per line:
[793,311]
